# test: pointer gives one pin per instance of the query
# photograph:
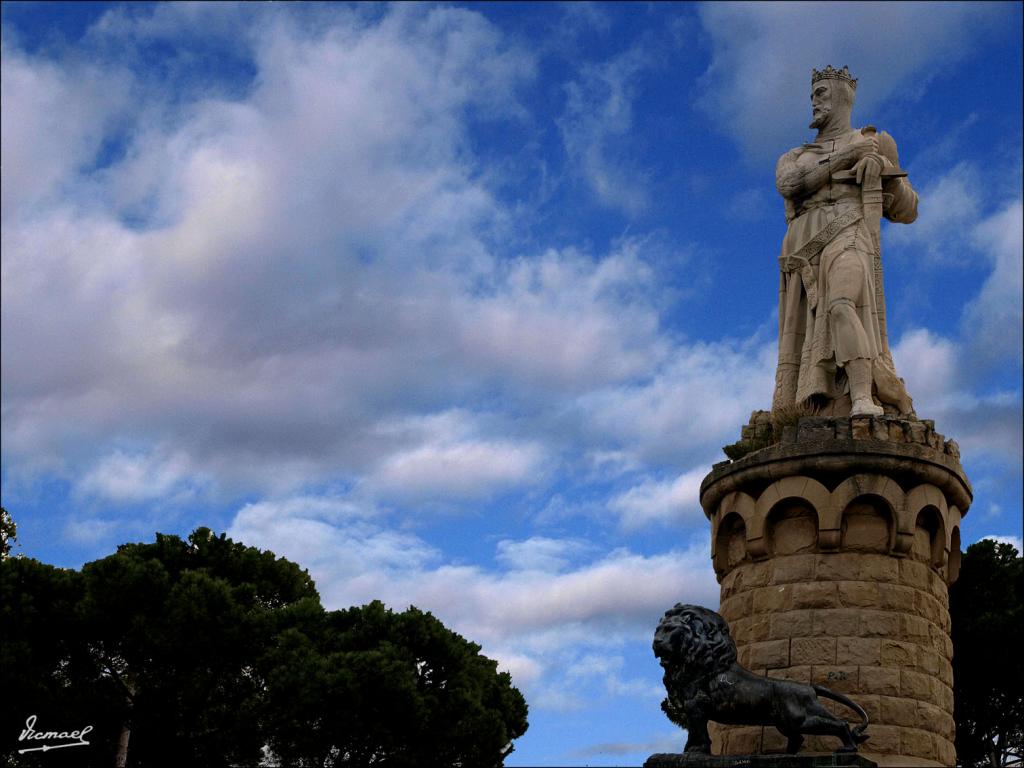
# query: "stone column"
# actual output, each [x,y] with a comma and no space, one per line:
[834,549]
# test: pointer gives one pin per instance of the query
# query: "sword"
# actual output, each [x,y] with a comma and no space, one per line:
[871,199]
[887,173]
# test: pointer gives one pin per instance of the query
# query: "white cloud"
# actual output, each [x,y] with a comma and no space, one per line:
[53,124]
[756,204]
[471,469]
[691,406]
[994,510]
[443,456]
[944,376]
[127,477]
[539,553]
[525,671]
[545,616]
[222,24]
[619,587]
[670,742]
[757,86]
[940,381]
[952,232]
[564,320]
[330,509]
[992,321]
[201,326]
[335,539]
[607,670]
[595,126]
[661,501]
[928,364]
[196,326]
[83,530]
[949,210]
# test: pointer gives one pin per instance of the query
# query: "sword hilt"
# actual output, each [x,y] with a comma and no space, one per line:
[887,173]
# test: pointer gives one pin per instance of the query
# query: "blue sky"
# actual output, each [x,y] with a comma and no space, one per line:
[455,305]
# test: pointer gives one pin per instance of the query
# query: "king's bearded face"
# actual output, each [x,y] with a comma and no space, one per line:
[831,104]
[821,103]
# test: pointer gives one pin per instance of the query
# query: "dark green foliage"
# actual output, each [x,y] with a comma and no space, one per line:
[8,533]
[44,665]
[987,609]
[158,638]
[383,688]
[178,626]
[207,651]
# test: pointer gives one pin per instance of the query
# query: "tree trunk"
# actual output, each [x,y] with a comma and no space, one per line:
[996,755]
[122,747]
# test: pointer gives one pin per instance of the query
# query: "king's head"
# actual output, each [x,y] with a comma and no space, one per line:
[832,94]
[831,73]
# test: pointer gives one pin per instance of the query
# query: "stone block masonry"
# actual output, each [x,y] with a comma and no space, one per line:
[834,555]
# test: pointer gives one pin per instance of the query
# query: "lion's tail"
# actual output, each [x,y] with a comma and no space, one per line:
[858,730]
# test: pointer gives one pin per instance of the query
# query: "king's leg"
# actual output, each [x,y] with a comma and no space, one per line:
[859,373]
[853,350]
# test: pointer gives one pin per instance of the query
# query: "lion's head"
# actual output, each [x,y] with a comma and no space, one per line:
[692,642]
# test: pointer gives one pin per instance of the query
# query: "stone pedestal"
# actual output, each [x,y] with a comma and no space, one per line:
[835,760]
[834,549]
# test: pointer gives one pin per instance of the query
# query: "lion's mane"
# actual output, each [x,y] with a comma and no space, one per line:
[693,642]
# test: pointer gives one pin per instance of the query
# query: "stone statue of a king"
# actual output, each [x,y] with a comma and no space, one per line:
[833,347]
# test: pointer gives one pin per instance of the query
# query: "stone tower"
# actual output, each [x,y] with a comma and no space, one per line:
[834,540]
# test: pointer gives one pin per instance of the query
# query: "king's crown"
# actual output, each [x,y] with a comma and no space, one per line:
[830,73]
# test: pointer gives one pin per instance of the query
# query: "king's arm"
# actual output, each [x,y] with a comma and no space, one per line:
[800,173]
[900,198]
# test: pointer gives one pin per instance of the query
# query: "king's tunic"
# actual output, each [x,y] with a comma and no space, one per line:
[829,254]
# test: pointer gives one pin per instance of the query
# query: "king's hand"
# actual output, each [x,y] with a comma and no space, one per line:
[868,170]
[864,145]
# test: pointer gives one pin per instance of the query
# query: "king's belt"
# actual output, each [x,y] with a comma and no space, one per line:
[800,260]
[810,205]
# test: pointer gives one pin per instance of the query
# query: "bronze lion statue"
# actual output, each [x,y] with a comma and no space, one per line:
[704,682]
